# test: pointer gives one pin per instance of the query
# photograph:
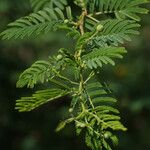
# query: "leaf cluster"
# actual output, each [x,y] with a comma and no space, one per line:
[99,33]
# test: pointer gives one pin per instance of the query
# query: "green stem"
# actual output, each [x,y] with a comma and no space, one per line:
[59,84]
[92,18]
[90,100]
[89,77]
[101,13]
[62,77]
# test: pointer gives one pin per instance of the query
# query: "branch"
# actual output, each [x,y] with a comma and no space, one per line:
[81,21]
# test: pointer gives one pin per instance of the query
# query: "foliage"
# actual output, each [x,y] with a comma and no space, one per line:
[39,98]
[103,55]
[93,108]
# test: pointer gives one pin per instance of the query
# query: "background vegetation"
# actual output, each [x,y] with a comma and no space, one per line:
[35,130]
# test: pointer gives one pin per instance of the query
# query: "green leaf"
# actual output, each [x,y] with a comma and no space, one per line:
[101,56]
[122,8]
[40,71]
[115,32]
[39,98]
[40,4]
[107,114]
[34,24]
[61,126]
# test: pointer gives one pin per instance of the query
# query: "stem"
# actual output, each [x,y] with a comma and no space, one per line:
[101,13]
[79,52]
[92,18]
[89,77]
[82,17]
[88,126]
[59,84]
[62,77]
[81,82]
[81,21]
[89,98]
[78,56]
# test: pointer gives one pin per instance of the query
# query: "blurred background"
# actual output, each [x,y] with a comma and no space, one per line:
[130,81]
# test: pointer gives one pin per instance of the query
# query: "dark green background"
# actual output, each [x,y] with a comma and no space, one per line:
[129,79]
